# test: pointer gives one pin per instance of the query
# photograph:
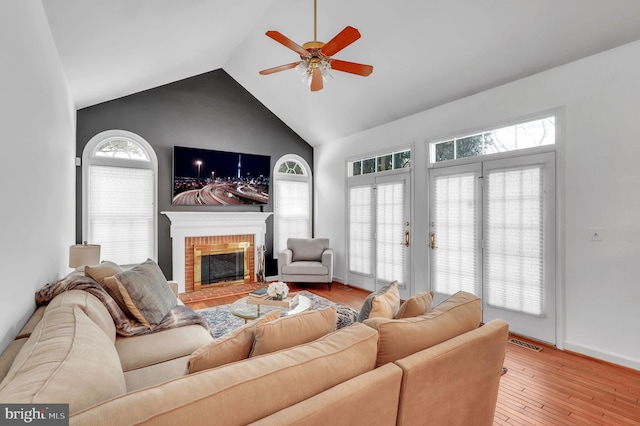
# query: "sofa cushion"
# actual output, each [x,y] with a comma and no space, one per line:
[146,292]
[417,304]
[91,306]
[67,359]
[399,338]
[293,330]
[233,346]
[307,249]
[135,352]
[381,303]
[223,395]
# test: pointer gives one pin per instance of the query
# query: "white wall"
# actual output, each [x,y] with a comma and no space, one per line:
[37,125]
[598,178]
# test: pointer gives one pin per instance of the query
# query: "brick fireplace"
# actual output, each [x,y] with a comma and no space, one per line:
[196,246]
[191,229]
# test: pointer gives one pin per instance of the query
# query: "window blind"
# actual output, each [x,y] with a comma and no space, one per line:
[292,211]
[360,229]
[514,238]
[390,217]
[121,213]
[455,215]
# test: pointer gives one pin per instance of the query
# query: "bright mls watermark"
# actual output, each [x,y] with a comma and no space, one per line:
[34,414]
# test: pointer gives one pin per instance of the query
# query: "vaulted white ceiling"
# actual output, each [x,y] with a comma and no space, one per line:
[424,52]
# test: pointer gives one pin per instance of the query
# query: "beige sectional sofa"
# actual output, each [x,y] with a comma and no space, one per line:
[359,374]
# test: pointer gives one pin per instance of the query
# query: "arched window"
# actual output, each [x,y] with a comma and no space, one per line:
[292,211]
[119,188]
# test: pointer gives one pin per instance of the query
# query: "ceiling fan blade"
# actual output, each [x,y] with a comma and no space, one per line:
[283,40]
[280,68]
[351,67]
[343,39]
[316,80]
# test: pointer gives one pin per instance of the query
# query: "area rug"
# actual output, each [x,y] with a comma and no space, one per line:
[221,320]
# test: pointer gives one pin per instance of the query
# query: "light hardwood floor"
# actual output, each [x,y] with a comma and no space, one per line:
[550,387]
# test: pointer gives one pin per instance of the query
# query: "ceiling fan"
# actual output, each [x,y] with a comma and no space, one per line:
[316,57]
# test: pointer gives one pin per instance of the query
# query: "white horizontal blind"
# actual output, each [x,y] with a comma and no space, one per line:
[390,218]
[514,239]
[121,213]
[292,211]
[361,229]
[455,215]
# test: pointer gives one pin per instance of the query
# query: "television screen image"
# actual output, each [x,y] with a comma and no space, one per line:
[219,178]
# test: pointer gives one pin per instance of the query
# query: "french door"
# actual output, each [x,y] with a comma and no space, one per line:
[492,233]
[379,231]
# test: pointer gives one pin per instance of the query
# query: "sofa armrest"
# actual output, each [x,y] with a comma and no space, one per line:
[285,257]
[327,260]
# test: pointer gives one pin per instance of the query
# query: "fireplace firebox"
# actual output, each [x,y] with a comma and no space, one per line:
[221,264]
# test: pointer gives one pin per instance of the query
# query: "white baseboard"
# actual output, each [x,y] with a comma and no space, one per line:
[603,355]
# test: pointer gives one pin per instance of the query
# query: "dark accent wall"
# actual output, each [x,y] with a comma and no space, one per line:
[210,111]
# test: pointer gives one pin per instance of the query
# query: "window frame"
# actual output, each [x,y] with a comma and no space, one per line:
[278,176]
[556,114]
[89,158]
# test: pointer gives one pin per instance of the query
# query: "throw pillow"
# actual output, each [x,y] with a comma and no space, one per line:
[417,304]
[293,330]
[382,303]
[103,274]
[233,346]
[101,271]
[146,292]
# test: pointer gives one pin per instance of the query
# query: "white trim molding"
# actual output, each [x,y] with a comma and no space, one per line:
[202,224]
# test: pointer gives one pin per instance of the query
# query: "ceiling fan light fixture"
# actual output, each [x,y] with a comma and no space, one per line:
[315,64]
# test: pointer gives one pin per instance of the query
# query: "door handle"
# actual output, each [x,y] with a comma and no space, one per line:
[406,239]
[432,240]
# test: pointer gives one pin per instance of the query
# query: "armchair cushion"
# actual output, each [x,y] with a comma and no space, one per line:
[307,249]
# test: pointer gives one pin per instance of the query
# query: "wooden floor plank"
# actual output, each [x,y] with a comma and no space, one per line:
[545,388]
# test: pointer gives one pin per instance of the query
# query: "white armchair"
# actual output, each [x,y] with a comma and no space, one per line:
[306,260]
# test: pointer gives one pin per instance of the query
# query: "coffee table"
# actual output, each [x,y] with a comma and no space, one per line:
[246,311]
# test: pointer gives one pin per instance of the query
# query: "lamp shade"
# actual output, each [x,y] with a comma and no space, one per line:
[84,254]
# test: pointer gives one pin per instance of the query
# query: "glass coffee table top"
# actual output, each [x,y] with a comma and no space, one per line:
[242,309]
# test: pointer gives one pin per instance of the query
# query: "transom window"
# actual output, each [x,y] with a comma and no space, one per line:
[518,136]
[380,163]
[119,147]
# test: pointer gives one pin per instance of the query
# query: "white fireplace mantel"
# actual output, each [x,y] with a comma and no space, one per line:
[204,224]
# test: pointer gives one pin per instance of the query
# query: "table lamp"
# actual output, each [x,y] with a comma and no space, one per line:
[84,254]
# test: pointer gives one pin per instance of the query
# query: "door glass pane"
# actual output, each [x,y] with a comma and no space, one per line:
[390,217]
[454,215]
[514,239]
[360,229]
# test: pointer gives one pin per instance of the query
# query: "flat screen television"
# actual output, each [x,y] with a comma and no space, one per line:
[219,178]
